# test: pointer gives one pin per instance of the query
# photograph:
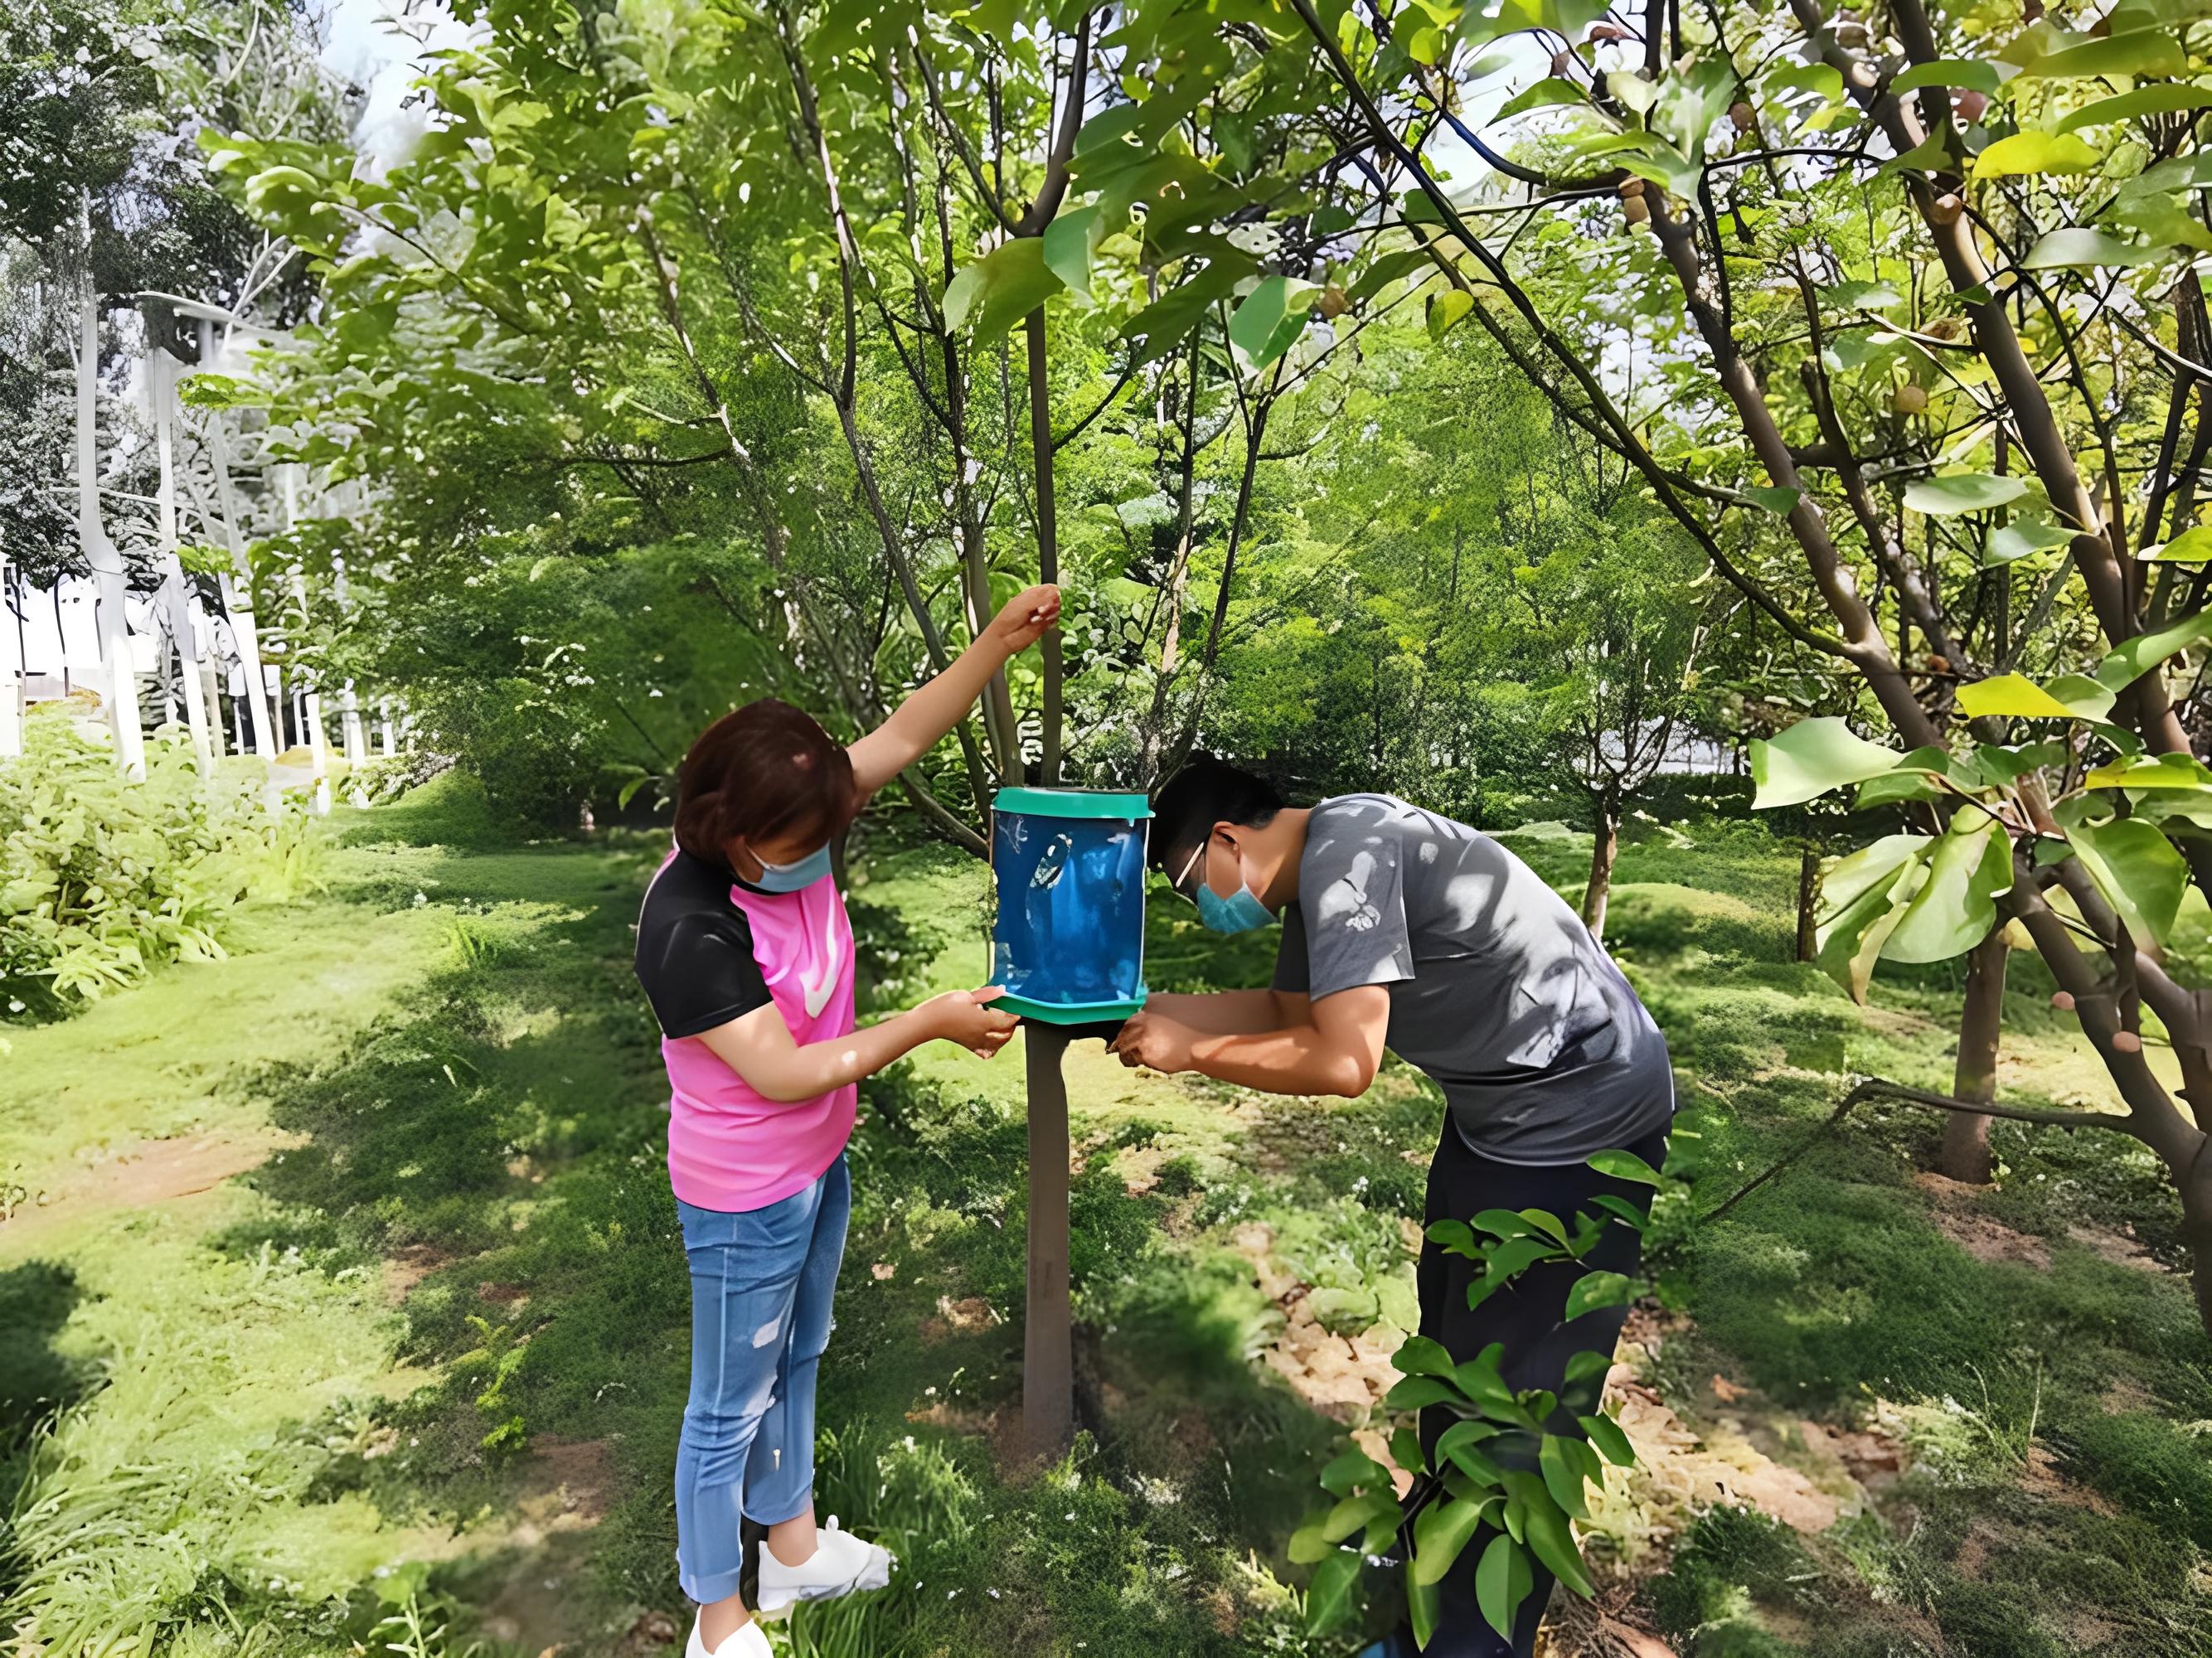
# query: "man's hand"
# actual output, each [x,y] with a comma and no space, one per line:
[1028,616]
[1155,1042]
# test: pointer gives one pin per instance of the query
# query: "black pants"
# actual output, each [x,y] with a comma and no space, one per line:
[1527,1317]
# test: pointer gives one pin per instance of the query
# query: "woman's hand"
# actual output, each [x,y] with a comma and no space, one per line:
[966,1017]
[1029,616]
[1155,1042]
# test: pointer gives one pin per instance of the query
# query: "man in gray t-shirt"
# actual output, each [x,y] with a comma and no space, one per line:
[1498,991]
[1402,927]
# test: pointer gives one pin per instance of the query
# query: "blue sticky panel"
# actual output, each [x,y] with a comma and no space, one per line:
[1069,940]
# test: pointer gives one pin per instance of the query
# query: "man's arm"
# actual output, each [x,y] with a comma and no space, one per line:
[916,724]
[1336,1049]
[1229,1012]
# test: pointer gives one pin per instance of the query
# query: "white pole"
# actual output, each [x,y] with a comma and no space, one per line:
[317,744]
[12,687]
[384,720]
[161,388]
[107,560]
[238,587]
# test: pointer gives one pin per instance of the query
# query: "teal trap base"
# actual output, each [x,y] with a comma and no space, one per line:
[1070,1012]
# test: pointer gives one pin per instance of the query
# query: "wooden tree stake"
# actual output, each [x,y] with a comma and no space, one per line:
[1047,1340]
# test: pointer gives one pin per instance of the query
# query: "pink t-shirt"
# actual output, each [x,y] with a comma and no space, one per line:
[729,1149]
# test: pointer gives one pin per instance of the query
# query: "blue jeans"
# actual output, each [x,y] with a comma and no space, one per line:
[761,1286]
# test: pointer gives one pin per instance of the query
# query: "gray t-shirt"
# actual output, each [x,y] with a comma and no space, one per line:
[1498,991]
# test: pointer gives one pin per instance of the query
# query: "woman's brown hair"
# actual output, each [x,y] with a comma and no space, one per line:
[766,772]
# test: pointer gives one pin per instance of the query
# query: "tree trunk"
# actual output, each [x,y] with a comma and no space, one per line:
[1048,1332]
[1047,542]
[176,601]
[106,561]
[1604,847]
[1808,905]
[238,587]
[1967,1138]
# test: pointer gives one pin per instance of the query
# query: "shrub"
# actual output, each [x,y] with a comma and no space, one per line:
[104,878]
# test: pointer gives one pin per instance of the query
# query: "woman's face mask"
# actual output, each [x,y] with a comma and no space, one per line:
[792,878]
[1241,912]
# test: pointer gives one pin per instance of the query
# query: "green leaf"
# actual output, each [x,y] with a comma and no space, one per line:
[1621,1210]
[2190,547]
[1269,320]
[2024,153]
[1810,758]
[2078,248]
[1069,242]
[1354,1513]
[1456,1446]
[1328,1597]
[2143,100]
[1425,1605]
[1596,1290]
[1418,1392]
[1861,296]
[1962,492]
[2143,52]
[1551,90]
[1630,90]
[1563,1476]
[2024,535]
[2164,771]
[1862,898]
[1440,1532]
[2013,696]
[1386,269]
[1776,498]
[1554,1543]
[2138,871]
[2132,660]
[1502,1582]
[1955,909]
[1966,73]
[1446,309]
[1352,1471]
[1161,327]
[1611,1443]
[1000,289]
[1308,1545]
[1419,1356]
[1546,1223]
[1626,1165]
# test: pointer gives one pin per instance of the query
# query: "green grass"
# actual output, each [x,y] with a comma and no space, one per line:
[237,1434]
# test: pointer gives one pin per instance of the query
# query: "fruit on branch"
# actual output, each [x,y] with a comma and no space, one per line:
[1563,62]
[1947,209]
[1333,303]
[1636,209]
[1608,31]
[1852,34]
[1971,105]
[1630,186]
[1745,116]
[1910,398]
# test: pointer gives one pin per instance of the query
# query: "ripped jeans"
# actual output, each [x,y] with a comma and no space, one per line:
[761,1286]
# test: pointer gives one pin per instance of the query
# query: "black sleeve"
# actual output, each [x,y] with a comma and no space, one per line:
[697,967]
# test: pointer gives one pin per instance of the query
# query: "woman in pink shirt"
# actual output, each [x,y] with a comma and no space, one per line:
[745,951]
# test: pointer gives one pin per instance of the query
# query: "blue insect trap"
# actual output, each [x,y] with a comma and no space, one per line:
[1069,945]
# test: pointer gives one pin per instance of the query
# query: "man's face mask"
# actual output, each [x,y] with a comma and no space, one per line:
[1241,912]
[794,877]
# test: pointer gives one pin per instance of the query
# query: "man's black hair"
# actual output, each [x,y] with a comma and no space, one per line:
[1205,792]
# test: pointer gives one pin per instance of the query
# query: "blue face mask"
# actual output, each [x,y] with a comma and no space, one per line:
[792,878]
[1241,912]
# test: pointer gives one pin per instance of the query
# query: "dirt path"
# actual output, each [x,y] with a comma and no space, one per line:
[137,1176]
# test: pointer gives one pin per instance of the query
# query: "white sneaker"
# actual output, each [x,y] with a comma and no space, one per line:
[748,1643]
[840,1563]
